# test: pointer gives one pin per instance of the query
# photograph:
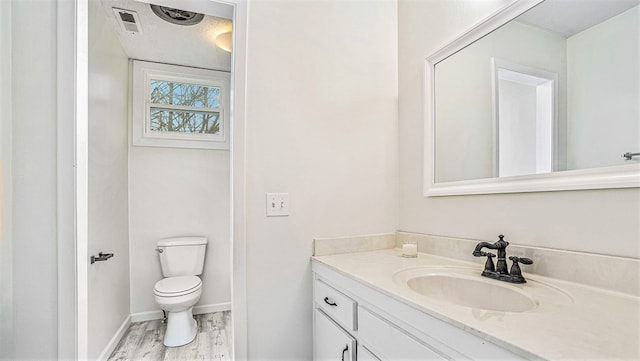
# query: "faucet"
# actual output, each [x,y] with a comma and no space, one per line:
[499,270]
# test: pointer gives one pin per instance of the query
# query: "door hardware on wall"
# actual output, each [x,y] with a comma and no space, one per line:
[101,257]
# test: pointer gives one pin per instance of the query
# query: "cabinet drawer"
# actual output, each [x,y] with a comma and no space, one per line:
[338,306]
[389,342]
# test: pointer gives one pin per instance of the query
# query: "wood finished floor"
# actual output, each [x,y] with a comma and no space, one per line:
[143,341]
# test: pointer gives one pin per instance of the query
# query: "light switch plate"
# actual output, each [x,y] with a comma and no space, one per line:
[277,204]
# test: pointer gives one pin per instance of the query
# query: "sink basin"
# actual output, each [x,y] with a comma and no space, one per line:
[465,287]
[473,293]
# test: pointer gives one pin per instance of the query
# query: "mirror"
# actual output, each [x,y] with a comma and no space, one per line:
[544,95]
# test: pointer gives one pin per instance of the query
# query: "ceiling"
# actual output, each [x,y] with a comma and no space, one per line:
[569,17]
[194,46]
[161,41]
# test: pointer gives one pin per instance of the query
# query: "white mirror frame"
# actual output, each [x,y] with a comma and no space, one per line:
[622,176]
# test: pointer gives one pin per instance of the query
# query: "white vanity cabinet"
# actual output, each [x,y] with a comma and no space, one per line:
[369,324]
[334,317]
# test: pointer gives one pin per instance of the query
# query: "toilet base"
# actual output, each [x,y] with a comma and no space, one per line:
[181,328]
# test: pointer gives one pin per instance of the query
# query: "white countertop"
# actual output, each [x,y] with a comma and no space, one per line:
[584,323]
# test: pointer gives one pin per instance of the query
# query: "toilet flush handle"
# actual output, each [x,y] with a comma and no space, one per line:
[159,250]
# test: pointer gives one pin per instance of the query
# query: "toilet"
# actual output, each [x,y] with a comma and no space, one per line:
[182,261]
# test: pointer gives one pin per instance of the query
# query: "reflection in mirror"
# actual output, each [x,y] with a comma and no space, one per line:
[555,89]
[525,100]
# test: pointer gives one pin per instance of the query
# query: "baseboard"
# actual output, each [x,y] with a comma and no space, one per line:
[114,340]
[198,309]
[214,307]
[147,316]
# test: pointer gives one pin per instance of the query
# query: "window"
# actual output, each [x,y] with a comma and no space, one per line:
[176,106]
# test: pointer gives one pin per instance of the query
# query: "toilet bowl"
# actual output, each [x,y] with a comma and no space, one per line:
[176,296]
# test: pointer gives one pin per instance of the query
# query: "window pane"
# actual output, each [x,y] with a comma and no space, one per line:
[191,95]
[165,120]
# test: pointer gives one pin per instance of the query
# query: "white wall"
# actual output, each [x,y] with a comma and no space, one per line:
[602,221]
[34,243]
[604,92]
[6,320]
[321,124]
[178,192]
[108,214]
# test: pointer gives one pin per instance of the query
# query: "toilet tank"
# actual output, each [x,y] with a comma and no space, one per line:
[182,256]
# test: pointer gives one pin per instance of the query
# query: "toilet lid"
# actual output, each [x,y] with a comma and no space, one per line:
[177,286]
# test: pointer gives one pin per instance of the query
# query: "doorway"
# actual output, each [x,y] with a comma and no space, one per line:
[525,119]
[78,52]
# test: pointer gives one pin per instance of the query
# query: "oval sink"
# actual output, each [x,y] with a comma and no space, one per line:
[475,293]
[464,286]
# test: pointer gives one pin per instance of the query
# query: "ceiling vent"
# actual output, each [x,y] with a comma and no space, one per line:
[177,16]
[128,20]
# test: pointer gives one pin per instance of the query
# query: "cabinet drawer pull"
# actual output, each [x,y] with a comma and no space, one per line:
[326,300]
[346,348]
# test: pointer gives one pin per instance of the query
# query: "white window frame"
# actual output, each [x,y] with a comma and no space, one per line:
[143,72]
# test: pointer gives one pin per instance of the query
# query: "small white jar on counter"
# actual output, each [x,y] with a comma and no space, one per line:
[410,249]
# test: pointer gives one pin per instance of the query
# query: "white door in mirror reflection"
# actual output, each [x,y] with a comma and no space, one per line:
[525,119]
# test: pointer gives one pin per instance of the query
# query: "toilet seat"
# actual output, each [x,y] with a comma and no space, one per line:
[177,286]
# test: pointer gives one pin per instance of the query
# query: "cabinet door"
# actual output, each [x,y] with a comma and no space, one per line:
[331,342]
